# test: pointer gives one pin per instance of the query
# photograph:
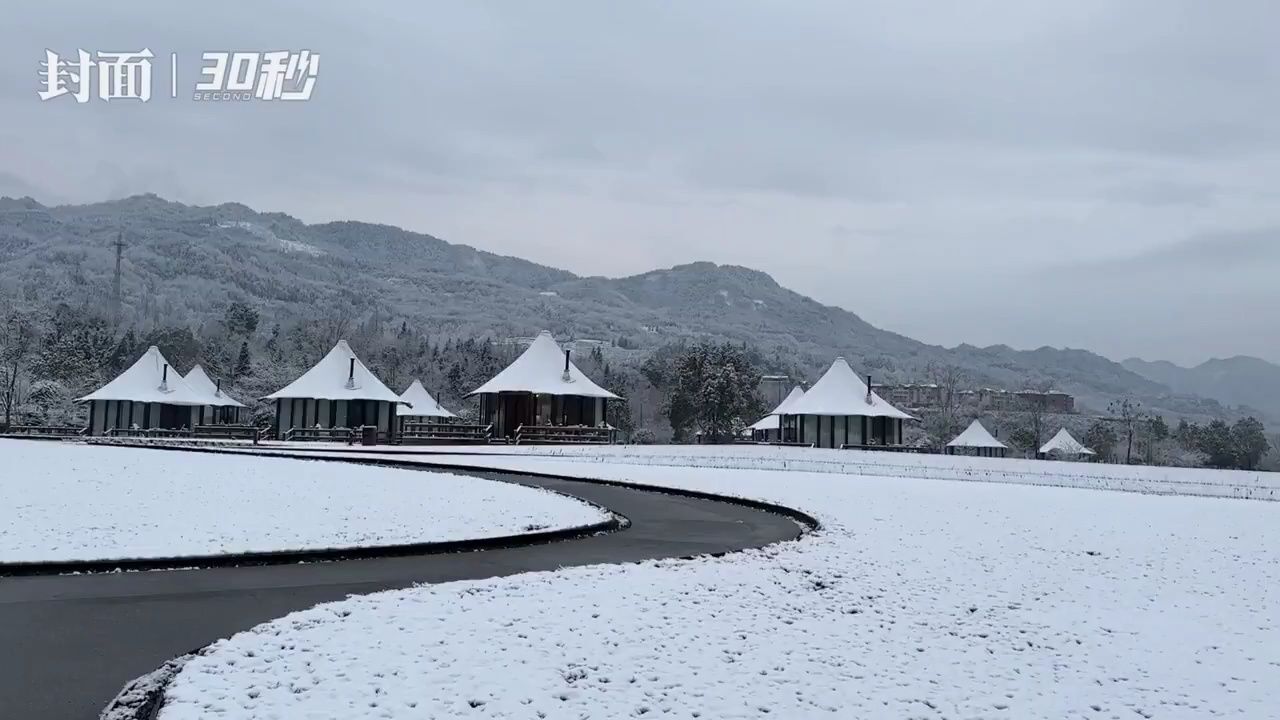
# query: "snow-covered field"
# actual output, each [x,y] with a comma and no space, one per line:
[918,599]
[64,501]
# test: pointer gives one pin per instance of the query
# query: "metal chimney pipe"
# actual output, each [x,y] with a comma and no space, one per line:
[218,387]
[566,361]
[869,381]
[351,373]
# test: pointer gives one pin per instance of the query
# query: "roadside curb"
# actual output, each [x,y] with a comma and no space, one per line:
[614,523]
[807,522]
[143,697]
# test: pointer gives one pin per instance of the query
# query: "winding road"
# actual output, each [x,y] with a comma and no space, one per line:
[68,643]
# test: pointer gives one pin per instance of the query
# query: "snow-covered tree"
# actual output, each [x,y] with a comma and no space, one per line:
[714,392]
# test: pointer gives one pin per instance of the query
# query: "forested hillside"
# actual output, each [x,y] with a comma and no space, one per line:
[415,305]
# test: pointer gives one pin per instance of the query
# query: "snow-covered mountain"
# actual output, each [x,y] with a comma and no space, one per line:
[183,265]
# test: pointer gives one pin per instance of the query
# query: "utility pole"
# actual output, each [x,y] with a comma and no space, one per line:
[116,304]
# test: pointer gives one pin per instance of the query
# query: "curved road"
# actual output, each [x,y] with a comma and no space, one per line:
[69,643]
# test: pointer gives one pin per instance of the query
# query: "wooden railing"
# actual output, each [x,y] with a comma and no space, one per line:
[889,448]
[229,432]
[45,430]
[330,434]
[147,432]
[562,434]
[435,431]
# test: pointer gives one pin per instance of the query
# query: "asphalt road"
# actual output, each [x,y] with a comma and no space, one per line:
[69,643]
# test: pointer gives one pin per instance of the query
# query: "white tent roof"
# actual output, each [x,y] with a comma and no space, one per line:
[419,403]
[145,381]
[770,421]
[841,392]
[1065,444]
[976,436]
[336,378]
[199,381]
[540,370]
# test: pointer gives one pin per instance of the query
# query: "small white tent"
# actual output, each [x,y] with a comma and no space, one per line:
[418,403]
[841,410]
[219,407]
[975,440]
[770,426]
[542,387]
[337,392]
[1064,445]
[150,394]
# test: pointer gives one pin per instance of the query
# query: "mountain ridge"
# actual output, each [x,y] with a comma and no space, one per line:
[184,262]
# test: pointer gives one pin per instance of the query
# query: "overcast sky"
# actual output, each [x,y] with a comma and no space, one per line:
[1091,173]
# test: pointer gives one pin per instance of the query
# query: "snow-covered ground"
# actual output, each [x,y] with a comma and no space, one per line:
[918,599]
[64,501]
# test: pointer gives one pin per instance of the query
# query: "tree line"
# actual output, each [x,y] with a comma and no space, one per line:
[681,392]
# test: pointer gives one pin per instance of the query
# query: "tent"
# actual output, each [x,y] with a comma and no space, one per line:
[842,410]
[975,440]
[339,391]
[542,387]
[219,408]
[1064,445]
[150,394]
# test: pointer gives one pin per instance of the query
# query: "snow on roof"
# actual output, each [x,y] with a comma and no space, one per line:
[976,436]
[147,381]
[336,377]
[1063,443]
[841,392]
[199,381]
[770,421]
[419,403]
[540,370]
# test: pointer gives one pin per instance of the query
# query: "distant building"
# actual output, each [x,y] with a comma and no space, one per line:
[930,395]
[840,410]
[1051,402]
[773,427]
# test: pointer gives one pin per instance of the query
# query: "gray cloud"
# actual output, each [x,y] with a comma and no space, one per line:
[914,162]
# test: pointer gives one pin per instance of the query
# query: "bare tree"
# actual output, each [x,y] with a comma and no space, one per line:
[1128,414]
[1032,409]
[17,344]
[949,379]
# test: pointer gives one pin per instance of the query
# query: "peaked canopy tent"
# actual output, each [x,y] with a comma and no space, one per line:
[219,408]
[149,395]
[771,427]
[1064,445]
[418,405]
[337,392]
[542,387]
[975,440]
[840,410]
